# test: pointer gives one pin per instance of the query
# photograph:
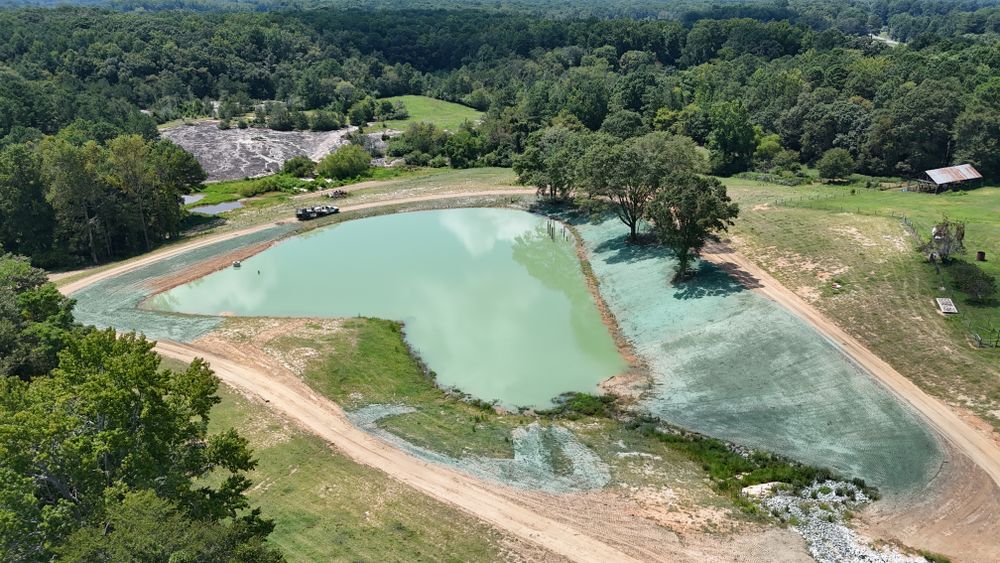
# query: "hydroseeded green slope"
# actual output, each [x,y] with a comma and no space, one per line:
[734,365]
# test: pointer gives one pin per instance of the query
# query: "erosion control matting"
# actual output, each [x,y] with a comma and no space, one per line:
[732,364]
[115,301]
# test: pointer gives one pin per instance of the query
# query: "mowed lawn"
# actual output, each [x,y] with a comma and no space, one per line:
[851,257]
[329,508]
[446,115]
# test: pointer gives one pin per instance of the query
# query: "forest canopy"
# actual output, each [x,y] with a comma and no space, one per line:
[763,86]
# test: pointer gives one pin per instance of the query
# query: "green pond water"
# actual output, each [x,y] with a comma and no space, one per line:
[494,300]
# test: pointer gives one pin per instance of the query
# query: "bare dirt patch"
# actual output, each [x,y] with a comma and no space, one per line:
[649,521]
[206,267]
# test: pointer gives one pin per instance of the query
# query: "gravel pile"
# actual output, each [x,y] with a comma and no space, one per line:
[817,513]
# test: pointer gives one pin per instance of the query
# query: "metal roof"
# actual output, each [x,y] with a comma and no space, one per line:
[959,173]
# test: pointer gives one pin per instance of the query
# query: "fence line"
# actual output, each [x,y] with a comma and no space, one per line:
[984,334]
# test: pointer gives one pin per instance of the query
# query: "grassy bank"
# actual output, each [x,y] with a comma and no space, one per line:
[232,190]
[849,255]
[327,507]
[369,363]
[446,115]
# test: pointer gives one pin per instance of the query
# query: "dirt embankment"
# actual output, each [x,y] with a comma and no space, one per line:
[630,385]
[965,492]
[206,267]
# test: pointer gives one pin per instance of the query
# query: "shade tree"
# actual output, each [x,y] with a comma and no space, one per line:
[688,212]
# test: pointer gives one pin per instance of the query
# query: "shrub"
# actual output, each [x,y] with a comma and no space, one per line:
[299,167]
[323,120]
[347,162]
[835,164]
[275,183]
[417,158]
[419,137]
[576,405]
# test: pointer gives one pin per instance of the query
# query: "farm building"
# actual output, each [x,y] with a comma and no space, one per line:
[949,178]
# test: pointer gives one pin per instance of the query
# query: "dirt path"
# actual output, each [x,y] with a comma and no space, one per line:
[484,500]
[326,419]
[964,437]
[971,477]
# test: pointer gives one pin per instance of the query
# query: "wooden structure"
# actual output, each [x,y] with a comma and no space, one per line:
[946,305]
[952,177]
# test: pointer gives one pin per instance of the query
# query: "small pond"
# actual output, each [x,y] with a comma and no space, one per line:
[192,198]
[217,208]
[494,300]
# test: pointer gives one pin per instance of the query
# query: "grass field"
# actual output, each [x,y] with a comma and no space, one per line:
[329,508]
[811,241]
[446,115]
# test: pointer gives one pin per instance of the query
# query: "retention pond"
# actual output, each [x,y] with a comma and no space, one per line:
[494,300]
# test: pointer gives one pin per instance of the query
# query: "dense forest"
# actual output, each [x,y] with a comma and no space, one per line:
[763,86]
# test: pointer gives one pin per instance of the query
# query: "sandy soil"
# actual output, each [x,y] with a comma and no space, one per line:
[958,514]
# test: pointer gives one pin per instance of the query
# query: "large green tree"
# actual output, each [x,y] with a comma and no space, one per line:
[26,224]
[631,172]
[687,213]
[105,422]
[732,140]
[549,161]
[76,191]
[35,319]
[129,169]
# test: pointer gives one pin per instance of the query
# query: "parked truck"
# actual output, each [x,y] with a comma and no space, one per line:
[308,213]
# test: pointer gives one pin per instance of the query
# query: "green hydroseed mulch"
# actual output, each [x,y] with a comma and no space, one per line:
[115,301]
[734,365]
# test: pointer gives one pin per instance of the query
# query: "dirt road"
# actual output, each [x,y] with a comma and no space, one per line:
[964,437]
[957,512]
[487,501]
[324,418]
[200,242]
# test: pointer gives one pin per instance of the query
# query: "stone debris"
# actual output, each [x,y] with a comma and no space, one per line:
[232,154]
[817,513]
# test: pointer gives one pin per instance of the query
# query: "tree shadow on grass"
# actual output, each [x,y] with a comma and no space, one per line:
[625,251]
[710,280]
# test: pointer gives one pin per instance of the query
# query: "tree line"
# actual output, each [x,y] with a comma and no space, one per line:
[766,88]
[655,178]
[68,199]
